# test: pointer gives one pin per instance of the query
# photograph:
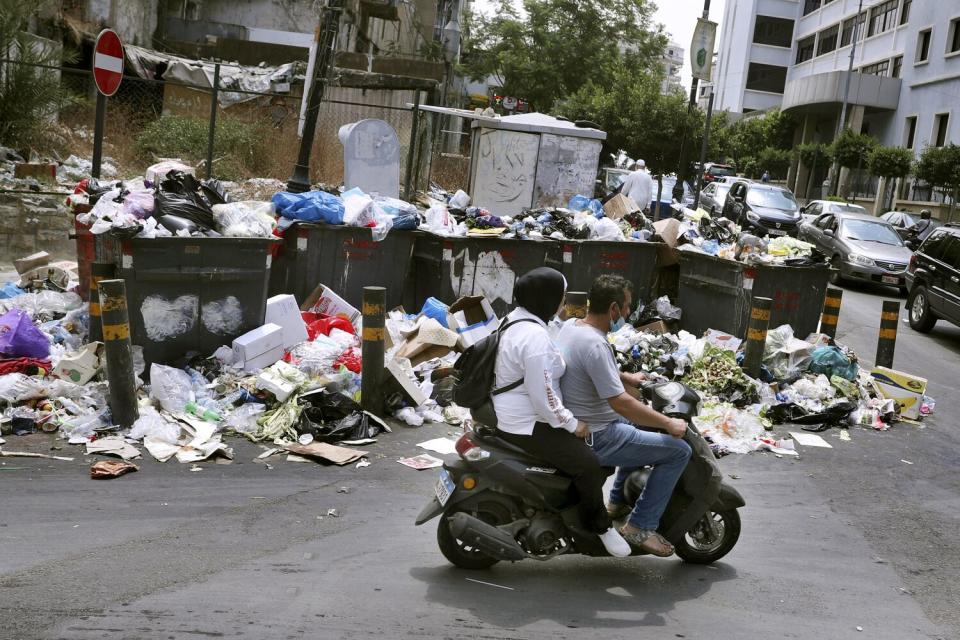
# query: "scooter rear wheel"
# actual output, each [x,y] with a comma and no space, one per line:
[463,555]
[704,544]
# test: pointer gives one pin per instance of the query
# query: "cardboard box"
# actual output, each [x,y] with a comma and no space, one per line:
[81,366]
[904,389]
[283,310]
[669,231]
[32,261]
[281,379]
[323,300]
[259,348]
[620,205]
[409,385]
[473,319]
[655,327]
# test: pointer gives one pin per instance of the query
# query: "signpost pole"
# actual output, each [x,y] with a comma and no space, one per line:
[101,116]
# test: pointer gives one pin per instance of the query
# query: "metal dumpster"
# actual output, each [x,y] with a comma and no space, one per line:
[90,248]
[193,294]
[584,260]
[450,267]
[346,259]
[716,294]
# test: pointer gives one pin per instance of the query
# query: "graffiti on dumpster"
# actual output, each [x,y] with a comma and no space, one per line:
[164,319]
[222,317]
[490,276]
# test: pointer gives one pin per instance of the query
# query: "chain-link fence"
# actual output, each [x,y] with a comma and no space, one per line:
[251,135]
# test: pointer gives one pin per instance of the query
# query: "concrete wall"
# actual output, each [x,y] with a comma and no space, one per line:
[30,223]
[134,20]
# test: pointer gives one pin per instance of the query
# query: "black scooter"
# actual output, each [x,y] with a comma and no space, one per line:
[498,503]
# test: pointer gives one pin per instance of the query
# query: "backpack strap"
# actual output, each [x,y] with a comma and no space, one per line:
[517,383]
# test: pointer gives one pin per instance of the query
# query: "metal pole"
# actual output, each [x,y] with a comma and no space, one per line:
[682,169]
[213,118]
[98,271]
[300,180]
[757,335]
[99,120]
[116,338]
[831,312]
[841,124]
[887,339]
[703,150]
[412,148]
[374,316]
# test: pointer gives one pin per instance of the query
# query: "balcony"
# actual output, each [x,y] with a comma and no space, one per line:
[824,91]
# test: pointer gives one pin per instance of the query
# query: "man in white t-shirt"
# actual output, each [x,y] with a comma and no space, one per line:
[638,185]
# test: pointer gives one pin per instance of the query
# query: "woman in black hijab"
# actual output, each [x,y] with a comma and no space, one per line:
[528,404]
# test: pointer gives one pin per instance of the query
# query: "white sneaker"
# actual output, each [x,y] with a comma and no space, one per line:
[614,543]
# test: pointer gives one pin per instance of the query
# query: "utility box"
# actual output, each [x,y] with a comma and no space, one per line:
[531,160]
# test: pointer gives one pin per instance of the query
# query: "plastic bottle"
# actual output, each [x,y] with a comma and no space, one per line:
[207,414]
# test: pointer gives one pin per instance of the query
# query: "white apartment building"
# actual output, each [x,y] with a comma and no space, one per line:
[905,85]
[672,61]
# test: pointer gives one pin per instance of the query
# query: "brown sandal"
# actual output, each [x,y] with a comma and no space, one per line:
[649,541]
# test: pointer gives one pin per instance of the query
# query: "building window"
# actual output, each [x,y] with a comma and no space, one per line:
[851,26]
[897,67]
[911,132]
[940,123]
[766,77]
[923,45]
[883,17]
[777,32]
[809,6]
[827,41]
[805,49]
[876,69]
[905,12]
[953,42]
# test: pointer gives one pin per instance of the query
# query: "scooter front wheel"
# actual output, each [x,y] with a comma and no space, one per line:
[711,538]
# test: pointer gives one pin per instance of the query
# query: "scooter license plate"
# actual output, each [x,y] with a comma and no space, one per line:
[445,487]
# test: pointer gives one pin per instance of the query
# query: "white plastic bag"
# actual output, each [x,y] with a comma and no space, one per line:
[152,424]
[245,219]
[460,200]
[439,221]
[243,419]
[606,229]
[358,209]
[171,387]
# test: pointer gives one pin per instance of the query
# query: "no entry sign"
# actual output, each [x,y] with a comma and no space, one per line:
[108,62]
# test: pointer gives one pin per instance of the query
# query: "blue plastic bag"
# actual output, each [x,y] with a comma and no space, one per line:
[312,206]
[406,222]
[435,309]
[581,203]
[10,290]
[830,361]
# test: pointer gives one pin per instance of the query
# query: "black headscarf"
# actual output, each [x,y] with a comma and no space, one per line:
[540,292]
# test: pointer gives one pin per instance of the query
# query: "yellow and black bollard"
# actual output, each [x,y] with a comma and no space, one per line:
[887,340]
[116,339]
[756,335]
[98,271]
[831,312]
[374,317]
[574,305]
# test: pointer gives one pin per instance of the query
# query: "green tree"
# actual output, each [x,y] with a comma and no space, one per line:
[850,149]
[776,161]
[751,134]
[30,95]
[940,168]
[553,48]
[888,163]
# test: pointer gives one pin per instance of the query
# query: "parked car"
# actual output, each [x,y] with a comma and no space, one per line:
[666,196]
[815,208]
[609,181]
[713,196]
[905,222]
[762,209]
[934,280]
[860,247]
[713,170]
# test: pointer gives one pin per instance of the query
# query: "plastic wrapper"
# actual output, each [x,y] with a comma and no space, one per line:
[244,418]
[666,310]
[246,219]
[732,430]
[139,204]
[785,355]
[831,361]
[151,424]
[172,388]
[44,305]
[317,357]
[460,200]
[312,206]
[439,221]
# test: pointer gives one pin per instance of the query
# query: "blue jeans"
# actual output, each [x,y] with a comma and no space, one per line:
[624,446]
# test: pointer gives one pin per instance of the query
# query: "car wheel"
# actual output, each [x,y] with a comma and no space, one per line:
[835,276]
[922,317]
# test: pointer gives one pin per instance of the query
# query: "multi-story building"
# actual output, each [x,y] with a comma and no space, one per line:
[905,83]
[672,60]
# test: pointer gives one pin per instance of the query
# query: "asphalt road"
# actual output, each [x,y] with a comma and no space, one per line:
[843,538]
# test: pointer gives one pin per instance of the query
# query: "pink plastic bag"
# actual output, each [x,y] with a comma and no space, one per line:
[20,338]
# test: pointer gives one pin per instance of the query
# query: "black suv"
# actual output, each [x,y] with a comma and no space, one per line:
[762,209]
[934,279]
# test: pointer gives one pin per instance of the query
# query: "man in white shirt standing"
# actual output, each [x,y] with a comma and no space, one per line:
[638,185]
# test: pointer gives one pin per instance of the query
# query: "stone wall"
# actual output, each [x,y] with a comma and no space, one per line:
[30,223]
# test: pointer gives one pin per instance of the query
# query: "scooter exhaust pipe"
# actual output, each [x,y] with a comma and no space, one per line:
[485,537]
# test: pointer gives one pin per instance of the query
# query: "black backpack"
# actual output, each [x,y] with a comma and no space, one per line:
[475,376]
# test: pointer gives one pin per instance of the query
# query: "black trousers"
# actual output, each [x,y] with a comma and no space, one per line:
[571,455]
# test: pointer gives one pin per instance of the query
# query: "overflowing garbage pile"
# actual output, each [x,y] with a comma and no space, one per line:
[808,385]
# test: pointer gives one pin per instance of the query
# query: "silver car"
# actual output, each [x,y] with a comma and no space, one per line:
[815,208]
[713,196]
[859,247]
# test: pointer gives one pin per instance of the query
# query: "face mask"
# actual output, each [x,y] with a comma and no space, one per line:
[616,325]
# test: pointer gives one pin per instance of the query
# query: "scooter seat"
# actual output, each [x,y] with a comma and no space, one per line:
[489,438]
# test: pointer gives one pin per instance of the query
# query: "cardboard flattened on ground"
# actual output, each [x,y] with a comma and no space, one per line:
[326,452]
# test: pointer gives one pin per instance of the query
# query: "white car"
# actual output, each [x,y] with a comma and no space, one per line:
[814,208]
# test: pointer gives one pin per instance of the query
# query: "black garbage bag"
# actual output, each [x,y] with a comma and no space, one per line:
[214,192]
[443,391]
[332,417]
[789,412]
[189,206]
